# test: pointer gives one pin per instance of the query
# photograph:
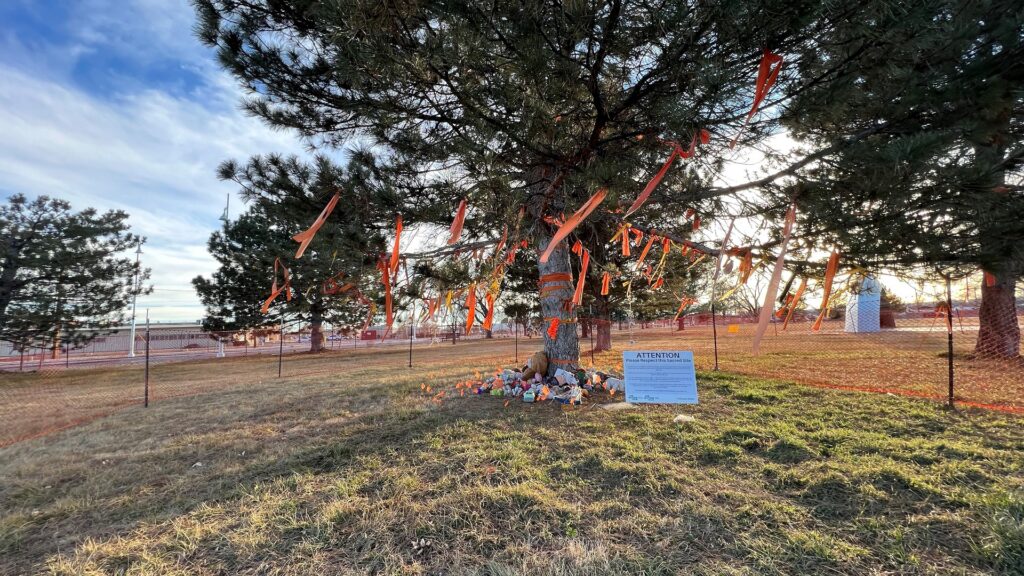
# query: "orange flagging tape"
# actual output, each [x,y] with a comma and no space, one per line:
[471,306]
[605,280]
[553,329]
[794,303]
[990,279]
[574,221]
[577,297]
[830,274]
[652,184]
[304,238]
[456,227]
[766,77]
[394,251]
[489,319]
[286,286]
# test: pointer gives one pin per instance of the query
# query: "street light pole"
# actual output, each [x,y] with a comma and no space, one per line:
[135,295]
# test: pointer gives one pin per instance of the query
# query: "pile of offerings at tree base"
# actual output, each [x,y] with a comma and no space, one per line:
[564,386]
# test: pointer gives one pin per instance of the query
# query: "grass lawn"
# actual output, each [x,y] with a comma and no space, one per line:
[352,469]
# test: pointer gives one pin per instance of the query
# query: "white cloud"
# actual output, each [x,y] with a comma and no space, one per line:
[149,152]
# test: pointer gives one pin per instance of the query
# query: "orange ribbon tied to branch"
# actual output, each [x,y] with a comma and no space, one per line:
[394,251]
[574,221]
[456,228]
[286,286]
[577,296]
[605,280]
[653,183]
[830,274]
[489,319]
[304,238]
[767,74]
[643,253]
[794,303]
[471,306]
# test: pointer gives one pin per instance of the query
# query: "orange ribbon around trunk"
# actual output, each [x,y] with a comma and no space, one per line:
[304,238]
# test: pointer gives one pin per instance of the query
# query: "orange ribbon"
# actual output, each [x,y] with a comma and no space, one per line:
[471,305]
[794,302]
[653,183]
[274,291]
[766,77]
[304,238]
[605,280]
[553,329]
[489,319]
[574,221]
[577,297]
[456,228]
[382,265]
[830,273]
[394,251]
[990,279]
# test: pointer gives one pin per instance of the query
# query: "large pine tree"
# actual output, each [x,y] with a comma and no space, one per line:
[65,277]
[534,104]
[937,184]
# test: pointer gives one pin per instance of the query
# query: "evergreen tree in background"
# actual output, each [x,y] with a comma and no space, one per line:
[285,195]
[938,180]
[534,104]
[65,277]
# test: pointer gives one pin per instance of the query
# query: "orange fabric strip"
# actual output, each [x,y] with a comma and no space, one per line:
[577,297]
[456,227]
[766,77]
[394,251]
[643,253]
[555,277]
[990,279]
[652,184]
[489,319]
[304,238]
[605,280]
[574,221]
[794,302]
[553,329]
[471,305]
[830,274]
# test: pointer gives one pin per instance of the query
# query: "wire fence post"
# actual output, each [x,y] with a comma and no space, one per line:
[410,346]
[145,390]
[714,332]
[280,348]
[67,354]
[949,337]
[515,323]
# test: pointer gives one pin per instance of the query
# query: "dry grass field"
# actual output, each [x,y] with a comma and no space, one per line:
[346,467]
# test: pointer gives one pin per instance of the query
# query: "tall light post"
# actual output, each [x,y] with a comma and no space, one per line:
[135,295]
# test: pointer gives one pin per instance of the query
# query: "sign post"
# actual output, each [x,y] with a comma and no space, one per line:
[660,377]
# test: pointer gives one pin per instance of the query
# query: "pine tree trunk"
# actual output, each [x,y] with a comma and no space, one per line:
[998,333]
[316,333]
[585,328]
[563,350]
[602,324]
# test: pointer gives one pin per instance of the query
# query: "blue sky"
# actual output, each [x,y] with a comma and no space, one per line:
[115,104]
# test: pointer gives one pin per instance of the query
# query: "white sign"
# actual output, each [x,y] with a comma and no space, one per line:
[660,377]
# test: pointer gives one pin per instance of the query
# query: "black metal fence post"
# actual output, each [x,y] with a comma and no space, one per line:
[280,348]
[949,337]
[714,331]
[145,391]
[410,346]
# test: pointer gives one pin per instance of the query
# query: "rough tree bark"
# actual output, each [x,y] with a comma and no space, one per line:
[998,332]
[316,333]
[556,289]
[602,324]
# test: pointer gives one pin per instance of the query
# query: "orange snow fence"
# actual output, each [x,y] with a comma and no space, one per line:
[304,238]
[574,221]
